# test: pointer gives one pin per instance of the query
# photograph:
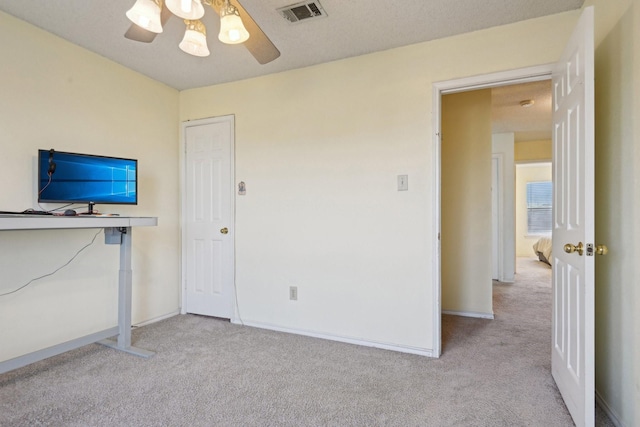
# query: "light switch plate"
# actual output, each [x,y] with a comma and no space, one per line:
[403,182]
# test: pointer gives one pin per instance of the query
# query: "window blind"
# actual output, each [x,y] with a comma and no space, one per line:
[539,207]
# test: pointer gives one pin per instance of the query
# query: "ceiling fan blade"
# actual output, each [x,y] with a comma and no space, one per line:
[139,34]
[258,44]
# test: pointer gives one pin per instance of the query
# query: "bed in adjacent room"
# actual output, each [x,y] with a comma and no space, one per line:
[542,249]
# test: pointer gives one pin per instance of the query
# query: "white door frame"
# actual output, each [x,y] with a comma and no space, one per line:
[497,212]
[504,78]
[183,202]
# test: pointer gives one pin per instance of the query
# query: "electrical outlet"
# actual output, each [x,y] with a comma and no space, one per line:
[293,293]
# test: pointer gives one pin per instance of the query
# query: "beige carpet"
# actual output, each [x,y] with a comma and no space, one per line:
[208,372]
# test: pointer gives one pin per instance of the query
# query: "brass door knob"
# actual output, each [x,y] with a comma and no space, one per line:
[569,248]
[601,250]
[224,230]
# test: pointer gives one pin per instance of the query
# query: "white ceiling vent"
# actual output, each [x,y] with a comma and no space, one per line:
[302,11]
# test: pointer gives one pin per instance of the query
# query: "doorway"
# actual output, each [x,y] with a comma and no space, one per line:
[573,220]
[517,132]
[478,228]
[526,75]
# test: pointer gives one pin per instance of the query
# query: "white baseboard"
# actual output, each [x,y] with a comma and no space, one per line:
[157,319]
[607,410]
[366,343]
[469,314]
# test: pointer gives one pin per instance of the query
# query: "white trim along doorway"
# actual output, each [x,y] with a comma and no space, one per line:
[505,78]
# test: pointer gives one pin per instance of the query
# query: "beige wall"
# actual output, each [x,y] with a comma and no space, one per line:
[320,149]
[532,151]
[57,95]
[529,172]
[466,203]
[618,207]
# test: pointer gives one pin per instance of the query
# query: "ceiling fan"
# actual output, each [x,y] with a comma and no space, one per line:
[149,16]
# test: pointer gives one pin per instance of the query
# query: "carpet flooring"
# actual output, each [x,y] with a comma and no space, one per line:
[208,372]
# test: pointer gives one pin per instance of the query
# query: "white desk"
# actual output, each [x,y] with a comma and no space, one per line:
[117,230]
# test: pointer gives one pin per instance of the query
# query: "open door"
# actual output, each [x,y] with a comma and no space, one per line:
[572,361]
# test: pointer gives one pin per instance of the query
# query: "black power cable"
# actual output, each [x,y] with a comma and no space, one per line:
[54,271]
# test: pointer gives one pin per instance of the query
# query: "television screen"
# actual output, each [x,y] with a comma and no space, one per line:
[84,178]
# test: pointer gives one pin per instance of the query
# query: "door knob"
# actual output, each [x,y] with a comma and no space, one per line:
[569,248]
[601,250]
[224,230]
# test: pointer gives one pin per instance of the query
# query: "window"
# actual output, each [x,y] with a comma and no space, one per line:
[539,204]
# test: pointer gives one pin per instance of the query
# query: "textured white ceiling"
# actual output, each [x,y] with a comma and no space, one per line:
[352,28]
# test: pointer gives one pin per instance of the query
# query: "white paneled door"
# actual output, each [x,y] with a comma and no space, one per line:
[208,217]
[573,229]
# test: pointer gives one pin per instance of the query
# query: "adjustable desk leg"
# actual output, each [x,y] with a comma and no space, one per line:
[123,342]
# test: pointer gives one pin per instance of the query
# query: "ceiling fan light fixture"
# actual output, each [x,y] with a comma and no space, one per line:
[232,30]
[186,9]
[195,39]
[146,14]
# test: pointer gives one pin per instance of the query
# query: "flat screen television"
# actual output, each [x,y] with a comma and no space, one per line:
[86,178]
